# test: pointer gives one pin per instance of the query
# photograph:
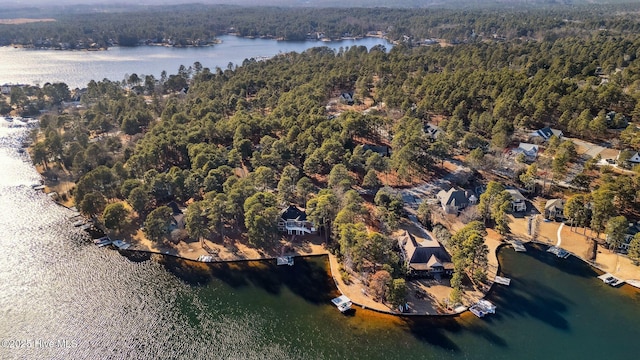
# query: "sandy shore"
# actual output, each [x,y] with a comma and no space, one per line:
[577,242]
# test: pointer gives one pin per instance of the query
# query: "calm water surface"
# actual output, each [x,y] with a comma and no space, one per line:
[56,286]
[77,68]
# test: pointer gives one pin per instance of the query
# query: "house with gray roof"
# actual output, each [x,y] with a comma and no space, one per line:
[433,132]
[554,209]
[530,151]
[518,201]
[454,201]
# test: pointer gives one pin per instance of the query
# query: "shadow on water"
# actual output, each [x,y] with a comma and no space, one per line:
[433,331]
[534,298]
[136,256]
[307,278]
[570,265]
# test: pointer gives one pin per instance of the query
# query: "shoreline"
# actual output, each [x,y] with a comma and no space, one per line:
[216,41]
[339,284]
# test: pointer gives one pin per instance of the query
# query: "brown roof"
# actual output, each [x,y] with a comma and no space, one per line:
[421,257]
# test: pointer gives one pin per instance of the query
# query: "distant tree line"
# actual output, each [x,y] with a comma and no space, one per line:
[200,24]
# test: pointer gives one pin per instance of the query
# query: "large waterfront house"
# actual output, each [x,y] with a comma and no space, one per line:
[518,201]
[632,230]
[293,221]
[454,201]
[425,257]
[554,209]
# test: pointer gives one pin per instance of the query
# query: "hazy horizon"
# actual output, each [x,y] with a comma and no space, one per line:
[309,3]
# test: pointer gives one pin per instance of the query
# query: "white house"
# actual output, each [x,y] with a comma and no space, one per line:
[518,201]
[635,158]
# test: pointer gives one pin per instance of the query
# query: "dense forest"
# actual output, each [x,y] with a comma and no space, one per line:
[199,24]
[243,142]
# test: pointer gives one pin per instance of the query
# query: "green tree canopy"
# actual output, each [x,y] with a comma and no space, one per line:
[157,224]
[115,215]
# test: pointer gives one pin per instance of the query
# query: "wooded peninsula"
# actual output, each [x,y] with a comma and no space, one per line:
[341,136]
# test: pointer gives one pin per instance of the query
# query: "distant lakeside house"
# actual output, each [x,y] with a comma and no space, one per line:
[293,221]
[433,132]
[424,258]
[381,150]
[347,98]
[546,133]
[635,158]
[530,151]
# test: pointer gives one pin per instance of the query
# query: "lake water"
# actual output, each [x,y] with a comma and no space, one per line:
[77,68]
[62,297]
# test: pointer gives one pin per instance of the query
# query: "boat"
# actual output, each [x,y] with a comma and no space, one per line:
[99,240]
[342,302]
[284,260]
[559,252]
[611,280]
[205,258]
[482,308]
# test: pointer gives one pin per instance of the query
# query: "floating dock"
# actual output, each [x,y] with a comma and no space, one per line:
[342,302]
[284,260]
[611,280]
[502,280]
[518,246]
[559,252]
[482,308]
